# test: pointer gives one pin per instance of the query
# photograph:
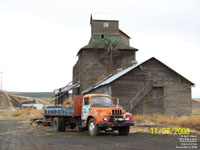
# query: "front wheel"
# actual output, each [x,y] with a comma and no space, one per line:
[93,128]
[124,130]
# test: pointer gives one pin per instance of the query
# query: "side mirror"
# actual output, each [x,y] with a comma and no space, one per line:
[117,102]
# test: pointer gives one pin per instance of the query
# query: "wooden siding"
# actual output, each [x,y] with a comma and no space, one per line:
[96,72]
[152,102]
[177,99]
[75,75]
[124,38]
[176,90]
[127,86]
[98,28]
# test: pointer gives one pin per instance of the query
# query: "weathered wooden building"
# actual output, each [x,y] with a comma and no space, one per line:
[107,51]
[148,87]
[108,65]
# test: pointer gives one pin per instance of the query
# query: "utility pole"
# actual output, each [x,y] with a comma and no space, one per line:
[110,48]
[1,79]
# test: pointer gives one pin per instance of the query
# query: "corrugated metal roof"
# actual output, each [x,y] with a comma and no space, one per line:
[104,17]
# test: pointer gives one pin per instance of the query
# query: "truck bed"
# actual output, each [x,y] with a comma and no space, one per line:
[57,111]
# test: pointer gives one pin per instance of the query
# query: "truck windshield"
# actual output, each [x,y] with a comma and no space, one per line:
[101,101]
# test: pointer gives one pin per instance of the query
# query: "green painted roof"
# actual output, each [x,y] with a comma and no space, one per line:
[96,42]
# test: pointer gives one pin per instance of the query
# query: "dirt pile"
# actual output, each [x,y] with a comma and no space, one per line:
[5,100]
[10,101]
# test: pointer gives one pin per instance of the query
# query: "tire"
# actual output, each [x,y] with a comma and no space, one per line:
[72,126]
[63,125]
[56,124]
[124,130]
[93,128]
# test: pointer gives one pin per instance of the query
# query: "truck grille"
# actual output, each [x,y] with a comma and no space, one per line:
[116,112]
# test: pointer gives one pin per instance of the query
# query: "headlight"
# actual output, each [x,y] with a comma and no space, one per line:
[124,116]
[104,118]
[127,118]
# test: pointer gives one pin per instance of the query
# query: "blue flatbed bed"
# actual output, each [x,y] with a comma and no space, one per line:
[57,111]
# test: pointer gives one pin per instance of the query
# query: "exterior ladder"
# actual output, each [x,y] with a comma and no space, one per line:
[139,96]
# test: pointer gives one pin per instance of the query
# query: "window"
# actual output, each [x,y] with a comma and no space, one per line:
[86,101]
[105,24]
[101,100]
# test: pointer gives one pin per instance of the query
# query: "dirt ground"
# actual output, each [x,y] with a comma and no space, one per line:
[18,135]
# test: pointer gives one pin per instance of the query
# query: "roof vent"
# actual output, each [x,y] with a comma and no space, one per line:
[119,69]
[134,62]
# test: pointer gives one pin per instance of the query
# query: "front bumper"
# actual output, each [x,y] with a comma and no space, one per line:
[116,124]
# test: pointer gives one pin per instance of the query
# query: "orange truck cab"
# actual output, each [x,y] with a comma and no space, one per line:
[99,113]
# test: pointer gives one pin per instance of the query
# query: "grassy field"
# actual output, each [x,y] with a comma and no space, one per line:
[145,123]
[34,94]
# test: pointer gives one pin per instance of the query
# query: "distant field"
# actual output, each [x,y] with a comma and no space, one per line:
[34,94]
[196,104]
[196,107]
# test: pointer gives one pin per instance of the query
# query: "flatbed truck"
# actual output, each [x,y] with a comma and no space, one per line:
[92,113]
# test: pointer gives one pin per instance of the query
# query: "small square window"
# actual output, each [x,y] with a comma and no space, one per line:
[86,101]
[105,24]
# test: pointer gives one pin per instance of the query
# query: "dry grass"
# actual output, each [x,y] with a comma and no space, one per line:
[28,113]
[196,112]
[182,121]
[23,114]
[144,123]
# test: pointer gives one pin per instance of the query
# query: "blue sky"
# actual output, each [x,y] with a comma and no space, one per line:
[39,39]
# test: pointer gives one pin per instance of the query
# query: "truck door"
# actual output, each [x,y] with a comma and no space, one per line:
[85,108]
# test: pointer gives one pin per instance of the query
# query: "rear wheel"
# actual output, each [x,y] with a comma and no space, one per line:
[93,128]
[124,130]
[56,124]
[63,125]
